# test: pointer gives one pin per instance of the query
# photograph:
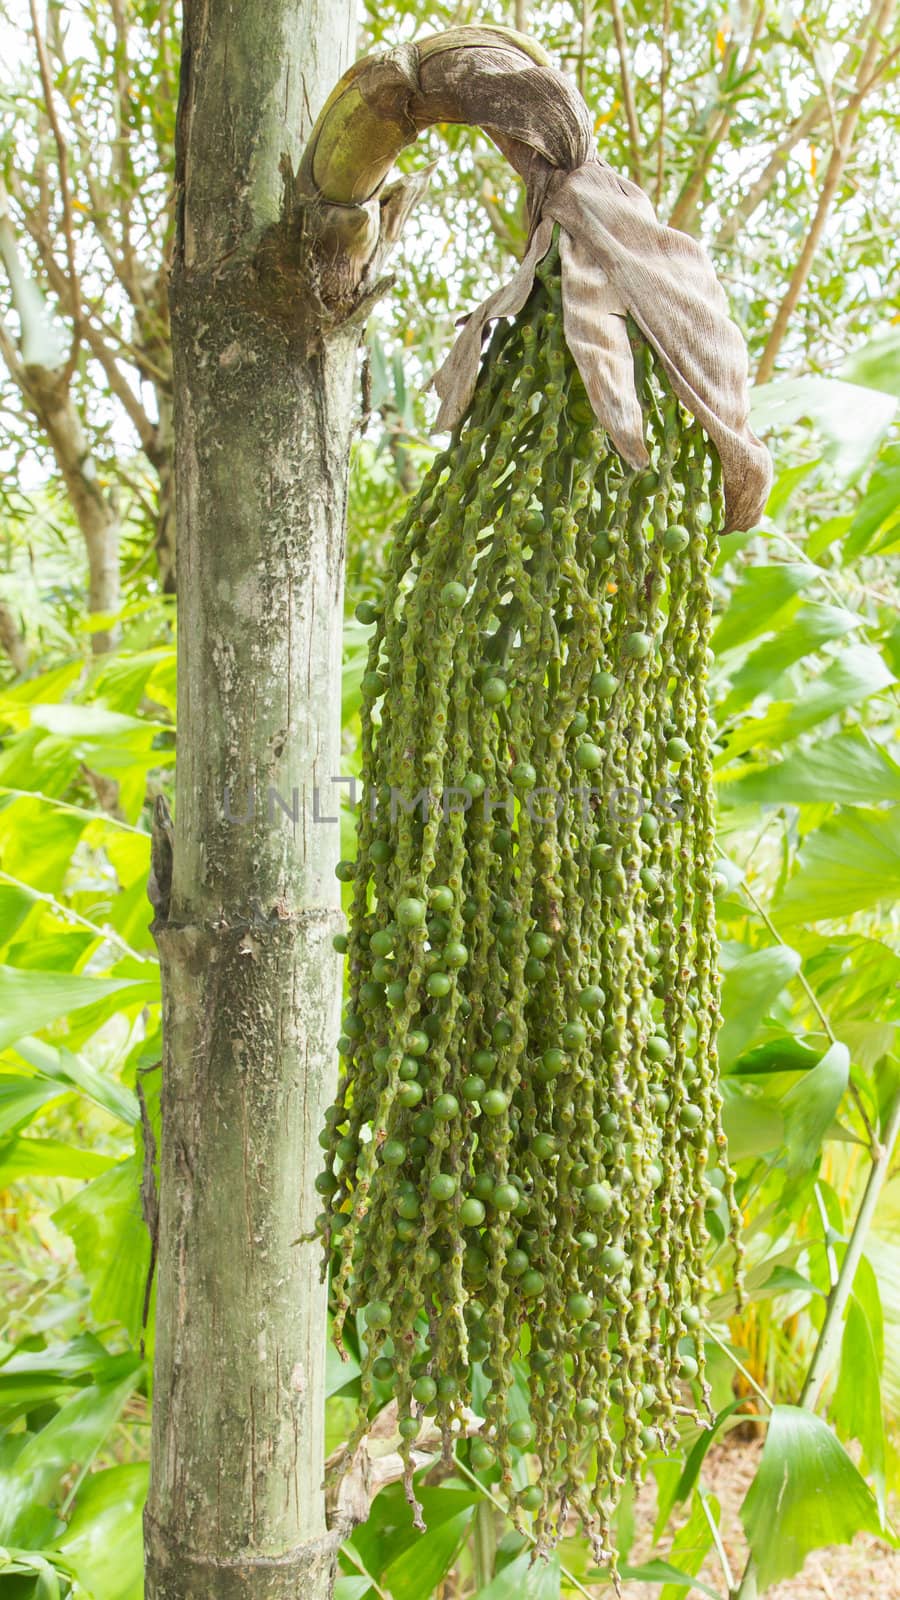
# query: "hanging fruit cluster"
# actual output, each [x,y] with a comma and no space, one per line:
[527,1136]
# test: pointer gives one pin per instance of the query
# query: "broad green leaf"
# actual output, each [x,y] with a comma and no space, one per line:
[75,1434]
[756,600]
[72,1071]
[352,1588]
[750,988]
[858,673]
[37,841]
[21,1099]
[524,1578]
[850,864]
[90,722]
[103,1543]
[782,1280]
[876,364]
[806,1494]
[690,1546]
[339,1374]
[811,626]
[388,1540]
[852,418]
[811,1105]
[422,1567]
[753,1123]
[48,1158]
[31,1000]
[664,1572]
[856,1406]
[106,1226]
[33,1377]
[784,1053]
[847,770]
[877,517]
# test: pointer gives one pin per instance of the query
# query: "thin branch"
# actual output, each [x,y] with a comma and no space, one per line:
[739,1367]
[721,1552]
[738,214]
[830,1255]
[663,86]
[61,286]
[878,21]
[634,136]
[121,149]
[587,23]
[521,15]
[62,157]
[685,208]
[12,640]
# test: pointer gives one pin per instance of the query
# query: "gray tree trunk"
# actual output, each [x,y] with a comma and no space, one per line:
[244,929]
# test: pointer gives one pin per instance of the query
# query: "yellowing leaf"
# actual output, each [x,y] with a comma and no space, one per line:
[721,41]
[813,162]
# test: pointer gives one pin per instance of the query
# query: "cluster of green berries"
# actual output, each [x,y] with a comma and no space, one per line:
[525,1166]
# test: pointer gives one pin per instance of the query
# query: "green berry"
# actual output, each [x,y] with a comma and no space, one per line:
[588,757]
[638,645]
[494,691]
[494,1103]
[598,1199]
[411,912]
[604,685]
[443,1186]
[592,998]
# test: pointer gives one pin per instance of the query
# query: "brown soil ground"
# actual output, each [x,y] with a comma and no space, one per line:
[865,1570]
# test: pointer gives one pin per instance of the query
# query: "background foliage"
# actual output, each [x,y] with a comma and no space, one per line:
[767,130]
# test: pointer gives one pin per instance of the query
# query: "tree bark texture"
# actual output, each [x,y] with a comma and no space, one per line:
[248,904]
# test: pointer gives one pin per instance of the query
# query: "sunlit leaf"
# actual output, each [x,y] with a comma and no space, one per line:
[811,1105]
[806,1494]
[30,1000]
[75,1434]
[850,864]
[103,1543]
[524,1578]
[856,1406]
[750,988]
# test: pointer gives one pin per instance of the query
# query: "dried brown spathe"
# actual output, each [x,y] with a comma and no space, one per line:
[618,259]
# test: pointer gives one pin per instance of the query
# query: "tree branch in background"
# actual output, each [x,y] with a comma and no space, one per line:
[45,382]
[62,158]
[121,147]
[12,640]
[684,211]
[877,24]
[756,194]
[634,134]
[521,15]
[587,22]
[663,86]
